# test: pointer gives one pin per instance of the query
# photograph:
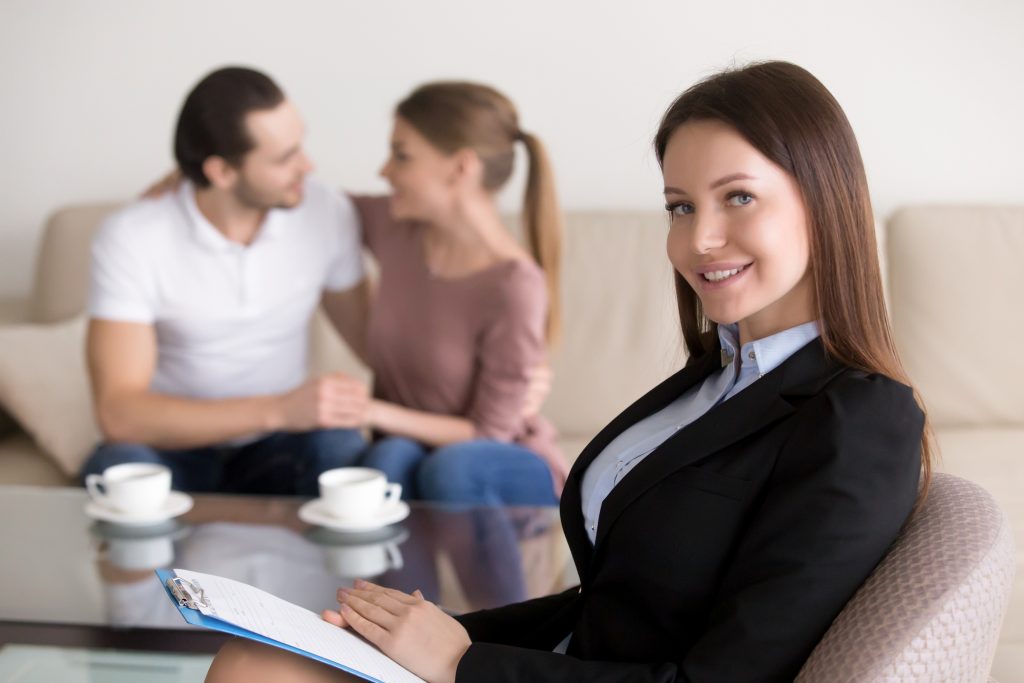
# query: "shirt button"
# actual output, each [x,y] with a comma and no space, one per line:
[752,356]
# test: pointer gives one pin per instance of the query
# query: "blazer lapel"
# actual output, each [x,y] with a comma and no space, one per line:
[571,508]
[756,407]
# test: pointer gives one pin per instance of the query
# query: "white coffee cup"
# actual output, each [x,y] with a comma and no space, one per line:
[363,561]
[354,493]
[132,488]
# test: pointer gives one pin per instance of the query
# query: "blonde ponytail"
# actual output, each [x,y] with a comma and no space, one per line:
[542,225]
[454,115]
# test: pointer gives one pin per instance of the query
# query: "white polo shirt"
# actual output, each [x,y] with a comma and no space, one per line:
[231,320]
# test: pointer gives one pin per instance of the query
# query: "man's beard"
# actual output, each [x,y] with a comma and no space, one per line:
[250,197]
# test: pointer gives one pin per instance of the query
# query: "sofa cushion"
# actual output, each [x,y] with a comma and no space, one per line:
[43,384]
[22,463]
[62,270]
[955,281]
[621,329]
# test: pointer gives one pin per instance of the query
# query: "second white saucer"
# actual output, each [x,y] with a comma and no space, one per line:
[177,503]
[315,512]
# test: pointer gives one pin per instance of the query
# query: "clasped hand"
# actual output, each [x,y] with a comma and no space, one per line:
[334,401]
[408,629]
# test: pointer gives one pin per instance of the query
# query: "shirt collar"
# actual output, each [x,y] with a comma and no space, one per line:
[206,234]
[764,355]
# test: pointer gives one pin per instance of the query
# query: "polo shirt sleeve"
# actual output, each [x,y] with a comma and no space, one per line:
[121,285]
[345,268]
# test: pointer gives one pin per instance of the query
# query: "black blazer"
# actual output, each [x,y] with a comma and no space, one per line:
[727,552]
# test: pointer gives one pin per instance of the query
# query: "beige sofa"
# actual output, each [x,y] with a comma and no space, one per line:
[953,280]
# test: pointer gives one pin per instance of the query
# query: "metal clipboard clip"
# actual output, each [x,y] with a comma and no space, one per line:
[188,593]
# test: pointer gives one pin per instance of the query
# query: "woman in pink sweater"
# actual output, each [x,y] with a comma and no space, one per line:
[462,312]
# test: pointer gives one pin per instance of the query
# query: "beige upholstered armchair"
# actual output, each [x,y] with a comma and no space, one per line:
[932,609]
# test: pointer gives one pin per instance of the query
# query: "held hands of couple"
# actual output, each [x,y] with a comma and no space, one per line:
[327,402]
[408,629]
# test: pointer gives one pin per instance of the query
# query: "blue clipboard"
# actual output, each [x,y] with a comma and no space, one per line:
[184,596]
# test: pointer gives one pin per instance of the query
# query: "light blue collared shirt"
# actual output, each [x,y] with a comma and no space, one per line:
[629,448]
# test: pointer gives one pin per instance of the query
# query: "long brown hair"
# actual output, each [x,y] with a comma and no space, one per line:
[793,120]
[456,115]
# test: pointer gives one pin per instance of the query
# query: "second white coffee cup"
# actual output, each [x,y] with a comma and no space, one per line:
[357,492]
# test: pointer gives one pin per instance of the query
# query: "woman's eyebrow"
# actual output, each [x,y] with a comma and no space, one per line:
[724,180]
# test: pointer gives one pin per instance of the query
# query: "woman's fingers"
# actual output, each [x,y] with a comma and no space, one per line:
[401,597]
[370,607]
[378,598]
[418,635]
[369,588]
[334,617]
[364,627]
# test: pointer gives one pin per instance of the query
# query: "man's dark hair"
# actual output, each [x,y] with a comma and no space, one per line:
[212,120]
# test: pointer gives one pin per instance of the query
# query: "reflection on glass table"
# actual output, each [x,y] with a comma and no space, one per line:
[41,664]
[66,569]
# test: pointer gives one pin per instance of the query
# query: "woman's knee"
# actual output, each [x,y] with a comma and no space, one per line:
[393,451]
[451,475]
[398,458]
[245,661]
[486,473]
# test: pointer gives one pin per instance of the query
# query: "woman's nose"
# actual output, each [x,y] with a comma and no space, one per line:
[708,233]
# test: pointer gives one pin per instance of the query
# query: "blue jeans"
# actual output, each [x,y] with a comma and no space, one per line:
[283,463]
[481,472]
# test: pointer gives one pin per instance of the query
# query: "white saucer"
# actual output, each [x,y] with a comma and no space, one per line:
[333,539]
[314,512]
[177,503]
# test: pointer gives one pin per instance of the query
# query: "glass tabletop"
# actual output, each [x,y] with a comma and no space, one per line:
[59,567]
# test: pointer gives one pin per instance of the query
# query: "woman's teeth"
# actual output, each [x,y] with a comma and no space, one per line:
[719,275]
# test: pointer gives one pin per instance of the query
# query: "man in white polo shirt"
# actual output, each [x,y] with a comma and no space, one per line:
[201,300]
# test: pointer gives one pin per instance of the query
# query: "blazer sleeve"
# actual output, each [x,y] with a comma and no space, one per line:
[842,487]
[541,623]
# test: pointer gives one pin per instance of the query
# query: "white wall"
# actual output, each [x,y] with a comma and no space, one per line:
[91,88]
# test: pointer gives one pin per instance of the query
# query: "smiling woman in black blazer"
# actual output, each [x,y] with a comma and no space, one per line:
[721,522]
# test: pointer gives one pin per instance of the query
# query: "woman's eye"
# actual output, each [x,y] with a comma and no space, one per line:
[682,209]
[739,199]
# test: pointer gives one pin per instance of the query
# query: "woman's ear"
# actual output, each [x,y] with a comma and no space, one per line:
[219,172]
[469,169]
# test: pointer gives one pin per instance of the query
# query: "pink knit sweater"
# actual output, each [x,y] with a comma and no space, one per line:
[457,346]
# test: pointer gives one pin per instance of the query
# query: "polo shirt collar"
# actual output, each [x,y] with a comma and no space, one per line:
[204,232]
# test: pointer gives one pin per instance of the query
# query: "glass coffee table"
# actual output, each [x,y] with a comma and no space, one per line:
[69,582]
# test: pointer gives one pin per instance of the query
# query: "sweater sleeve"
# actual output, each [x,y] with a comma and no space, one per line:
[511,344]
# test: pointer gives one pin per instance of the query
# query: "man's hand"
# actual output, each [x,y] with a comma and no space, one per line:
[169,183]
[331,401]
[408,629]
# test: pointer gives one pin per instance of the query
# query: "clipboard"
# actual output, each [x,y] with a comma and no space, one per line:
[199,608]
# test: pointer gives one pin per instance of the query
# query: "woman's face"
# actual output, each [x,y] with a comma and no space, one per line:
[739,233]
[421,176]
